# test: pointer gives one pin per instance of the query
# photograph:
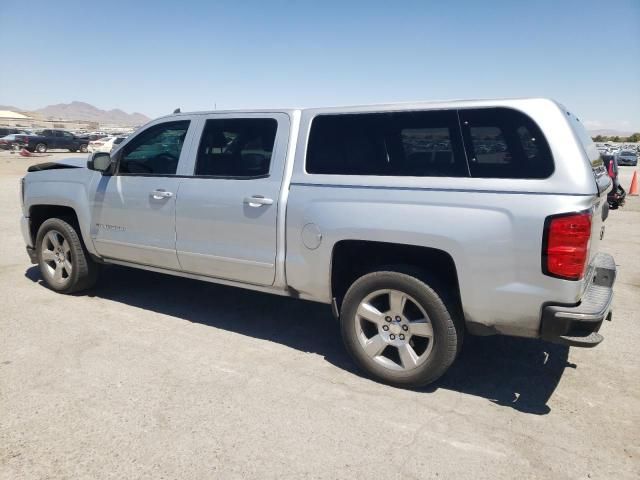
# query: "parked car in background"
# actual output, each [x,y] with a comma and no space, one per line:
[105,144]
[94,136]
[55,139]
[627,157]
[13,140]
[617,195]
[4,131]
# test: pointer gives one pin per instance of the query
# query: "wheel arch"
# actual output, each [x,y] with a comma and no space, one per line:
[38,213]
[350,259]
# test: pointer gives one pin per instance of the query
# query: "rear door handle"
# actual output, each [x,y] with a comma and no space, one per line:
[160,194]
[257,201]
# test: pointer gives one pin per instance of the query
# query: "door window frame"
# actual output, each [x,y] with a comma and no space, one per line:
[278,154]
[185,152]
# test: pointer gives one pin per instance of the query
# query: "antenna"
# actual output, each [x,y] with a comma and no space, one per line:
[177,110]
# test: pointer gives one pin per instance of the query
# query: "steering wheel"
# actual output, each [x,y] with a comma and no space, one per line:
[168,159]
[134,166]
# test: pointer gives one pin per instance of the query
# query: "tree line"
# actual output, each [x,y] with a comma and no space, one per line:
[630,139]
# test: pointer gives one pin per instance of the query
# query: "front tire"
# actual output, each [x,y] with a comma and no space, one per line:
[64,262]
[41,148]
[83,148]
[398,329]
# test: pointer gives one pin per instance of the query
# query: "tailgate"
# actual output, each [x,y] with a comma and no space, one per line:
[600,214]
[603,184]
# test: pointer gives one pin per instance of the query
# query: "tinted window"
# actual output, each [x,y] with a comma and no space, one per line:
[504,143]
[236,147]
[156,150]
[399,144]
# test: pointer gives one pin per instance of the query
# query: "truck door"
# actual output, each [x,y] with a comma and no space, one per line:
[134,210]
[226,213]
[66,141]
[57,139]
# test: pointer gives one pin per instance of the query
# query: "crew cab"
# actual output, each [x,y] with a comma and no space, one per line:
[419,223]
[54,139]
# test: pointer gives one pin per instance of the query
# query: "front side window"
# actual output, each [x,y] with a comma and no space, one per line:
[236,147]
[155,151]
[504,143]
[421,144]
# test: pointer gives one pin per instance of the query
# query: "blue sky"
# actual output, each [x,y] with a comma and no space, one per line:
[153,56]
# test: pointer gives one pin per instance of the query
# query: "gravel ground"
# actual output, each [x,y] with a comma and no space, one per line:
[151,376]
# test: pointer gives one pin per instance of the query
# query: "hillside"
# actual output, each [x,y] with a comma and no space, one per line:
[85,111]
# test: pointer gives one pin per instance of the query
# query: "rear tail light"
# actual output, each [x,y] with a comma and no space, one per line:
[565,245]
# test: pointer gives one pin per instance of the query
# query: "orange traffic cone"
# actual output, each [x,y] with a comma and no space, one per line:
[633,189]
[25,153]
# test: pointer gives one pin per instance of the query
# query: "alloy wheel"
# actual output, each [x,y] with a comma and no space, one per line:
[56,257]
[394,330]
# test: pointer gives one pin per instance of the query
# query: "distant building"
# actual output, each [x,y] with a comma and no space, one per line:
[9,118]
[8,114]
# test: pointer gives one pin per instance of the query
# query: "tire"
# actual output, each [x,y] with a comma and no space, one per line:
[64,262]
[391,344]
[41,148]
[73,150]
[83,148]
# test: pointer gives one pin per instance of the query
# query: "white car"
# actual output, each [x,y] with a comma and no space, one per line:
[105,144]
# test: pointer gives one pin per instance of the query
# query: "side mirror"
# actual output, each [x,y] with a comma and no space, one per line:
[101,162]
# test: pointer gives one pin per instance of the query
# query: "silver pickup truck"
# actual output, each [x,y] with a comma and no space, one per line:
[419,223]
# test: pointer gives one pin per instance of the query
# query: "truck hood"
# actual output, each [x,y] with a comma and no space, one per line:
[64,163]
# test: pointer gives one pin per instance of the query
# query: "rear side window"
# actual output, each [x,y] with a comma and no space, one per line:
[587,143]
[398,144]
[504,143]
[236,147]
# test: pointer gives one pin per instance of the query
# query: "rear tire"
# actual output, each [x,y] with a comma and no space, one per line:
[41,148]
[399,329]
[64,262]
[83,148]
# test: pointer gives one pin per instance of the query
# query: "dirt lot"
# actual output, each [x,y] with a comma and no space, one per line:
[159,377]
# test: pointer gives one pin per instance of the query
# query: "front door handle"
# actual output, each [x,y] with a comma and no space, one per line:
[160,194]
[258,201]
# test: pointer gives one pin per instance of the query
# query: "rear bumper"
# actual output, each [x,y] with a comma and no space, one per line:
[578,325]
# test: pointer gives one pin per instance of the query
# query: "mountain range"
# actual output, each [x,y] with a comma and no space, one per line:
[83,111]
[610,133]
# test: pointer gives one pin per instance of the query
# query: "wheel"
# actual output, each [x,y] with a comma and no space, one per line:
[64,262]
[41,148]
[73,150]
[398,329]
[83,148]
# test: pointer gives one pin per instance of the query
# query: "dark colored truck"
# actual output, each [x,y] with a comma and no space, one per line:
[617,195]
[55,139]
